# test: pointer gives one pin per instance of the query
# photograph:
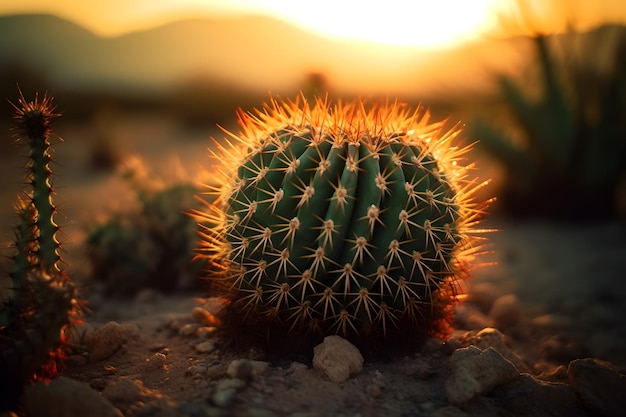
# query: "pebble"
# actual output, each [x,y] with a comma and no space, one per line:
[106,340]
[66,397]
[601,388]
[204,317]
[374,390]
[475,372]
[188,330]
[337,358]
[206,331]
[123,391]
[506,311]
[205,347]
[246,370]
[156,361]
[226,390]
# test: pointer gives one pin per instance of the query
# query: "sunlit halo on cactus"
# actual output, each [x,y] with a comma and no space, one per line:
[342,218]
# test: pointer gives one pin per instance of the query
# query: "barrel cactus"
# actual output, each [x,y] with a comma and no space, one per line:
[341,219]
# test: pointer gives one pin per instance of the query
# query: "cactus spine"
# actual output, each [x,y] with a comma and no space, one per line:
[342,219]
[41,304]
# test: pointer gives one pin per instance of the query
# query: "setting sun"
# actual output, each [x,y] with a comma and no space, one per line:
[424,24]
[397,22]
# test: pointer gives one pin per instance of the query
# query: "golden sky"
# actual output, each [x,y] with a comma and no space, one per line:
[424,23]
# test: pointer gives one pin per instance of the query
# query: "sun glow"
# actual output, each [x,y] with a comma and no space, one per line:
[433,23]
[399,22]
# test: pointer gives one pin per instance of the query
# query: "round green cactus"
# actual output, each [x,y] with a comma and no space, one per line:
[341,219]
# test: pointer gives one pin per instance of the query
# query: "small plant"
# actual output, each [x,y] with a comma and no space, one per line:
[337,219]
[571,156]
[152,247]
[41,304]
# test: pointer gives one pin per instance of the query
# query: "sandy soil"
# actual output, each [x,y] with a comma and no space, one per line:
[554,291]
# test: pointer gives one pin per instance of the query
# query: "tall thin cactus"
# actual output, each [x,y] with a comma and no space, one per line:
[41,303]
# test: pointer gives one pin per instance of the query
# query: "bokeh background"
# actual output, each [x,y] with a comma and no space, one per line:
[533,81]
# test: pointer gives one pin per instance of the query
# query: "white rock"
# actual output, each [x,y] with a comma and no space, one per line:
[337,358]
[474,373]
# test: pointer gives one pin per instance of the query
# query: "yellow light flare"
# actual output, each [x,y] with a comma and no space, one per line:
[428,24]
[399,22]
[420,23]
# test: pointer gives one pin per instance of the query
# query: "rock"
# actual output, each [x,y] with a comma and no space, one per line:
[124,391]
[246,370]
[204,317]
[205,347]
[337,358]
[505,311]
[105,341]
[224,397]
[156,361]
[226,390]
[65,397]
[474,373]
[527,396]
[601,388]
[188,330]
[490,337]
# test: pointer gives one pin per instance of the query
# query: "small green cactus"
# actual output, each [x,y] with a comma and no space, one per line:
[571,150]
[41,304]
[341,220]
[152,247]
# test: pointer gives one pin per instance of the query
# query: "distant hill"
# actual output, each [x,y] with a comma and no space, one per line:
[254,52]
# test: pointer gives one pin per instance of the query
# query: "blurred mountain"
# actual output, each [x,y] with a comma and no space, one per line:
[251,52]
